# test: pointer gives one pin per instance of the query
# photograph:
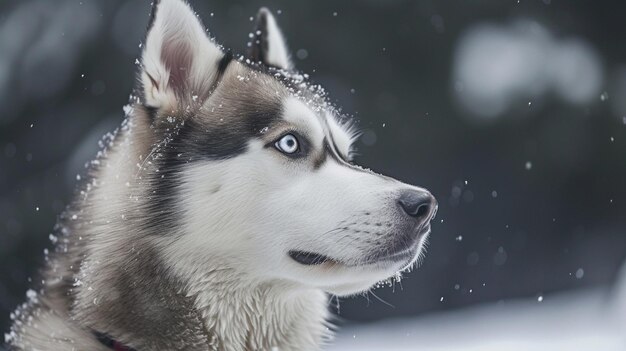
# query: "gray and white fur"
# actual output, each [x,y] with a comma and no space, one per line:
[222,212]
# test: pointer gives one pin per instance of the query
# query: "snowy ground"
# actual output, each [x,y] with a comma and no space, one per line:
[586,320]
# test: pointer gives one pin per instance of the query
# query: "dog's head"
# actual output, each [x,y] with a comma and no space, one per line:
[253,167]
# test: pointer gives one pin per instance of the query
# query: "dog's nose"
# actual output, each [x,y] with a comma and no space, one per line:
[418,204]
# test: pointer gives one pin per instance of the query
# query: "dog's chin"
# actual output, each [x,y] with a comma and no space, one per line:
[368,275]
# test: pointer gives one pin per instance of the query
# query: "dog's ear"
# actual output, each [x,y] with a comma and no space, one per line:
[268,44]
[179,60]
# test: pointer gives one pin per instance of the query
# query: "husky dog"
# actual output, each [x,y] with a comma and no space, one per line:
[222,212]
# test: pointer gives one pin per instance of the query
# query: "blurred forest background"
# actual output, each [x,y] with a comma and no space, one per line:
[513,113]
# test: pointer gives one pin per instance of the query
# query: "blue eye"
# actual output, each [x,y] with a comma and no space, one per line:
[288,144]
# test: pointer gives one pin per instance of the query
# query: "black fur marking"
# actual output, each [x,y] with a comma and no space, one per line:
[323,155]
[208,136]
[319,162]
[223,64]
[151,111]
[328,150]
[196,142]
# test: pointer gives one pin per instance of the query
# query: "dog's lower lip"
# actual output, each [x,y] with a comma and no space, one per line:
[395,257]
[308,258]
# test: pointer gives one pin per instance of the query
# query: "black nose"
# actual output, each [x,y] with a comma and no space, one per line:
[418,204]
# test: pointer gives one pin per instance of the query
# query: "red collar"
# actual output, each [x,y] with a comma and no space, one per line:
[111,343]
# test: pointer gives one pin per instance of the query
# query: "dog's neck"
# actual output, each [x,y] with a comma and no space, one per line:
[267,316]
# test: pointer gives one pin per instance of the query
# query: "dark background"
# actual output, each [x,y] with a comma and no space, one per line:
[532,198]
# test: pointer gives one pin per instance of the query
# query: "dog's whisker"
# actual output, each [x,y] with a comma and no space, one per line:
[381,300]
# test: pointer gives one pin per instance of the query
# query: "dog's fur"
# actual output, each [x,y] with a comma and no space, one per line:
[195,231]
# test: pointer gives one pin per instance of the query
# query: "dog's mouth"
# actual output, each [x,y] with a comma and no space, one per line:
[314,259]
[403,254]
[310,258]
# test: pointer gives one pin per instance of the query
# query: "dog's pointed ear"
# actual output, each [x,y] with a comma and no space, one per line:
[179,58]
[268,44]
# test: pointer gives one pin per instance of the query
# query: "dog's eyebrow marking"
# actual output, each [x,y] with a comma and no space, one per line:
[319,161]
[328,150]
[341,158]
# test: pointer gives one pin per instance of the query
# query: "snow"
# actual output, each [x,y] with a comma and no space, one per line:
[528,165]
[498,65]
[604,96]
[575,321]
[31,295]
